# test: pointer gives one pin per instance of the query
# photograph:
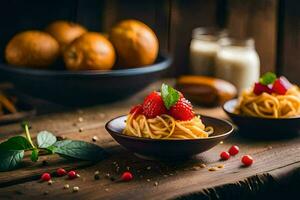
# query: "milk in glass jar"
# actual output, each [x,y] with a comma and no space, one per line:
[203,49]
[237,62]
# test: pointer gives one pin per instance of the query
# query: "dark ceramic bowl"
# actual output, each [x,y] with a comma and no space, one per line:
[264,128]
[169,149]
[84,87]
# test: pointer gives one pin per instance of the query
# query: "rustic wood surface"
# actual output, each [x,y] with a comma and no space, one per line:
[153,179]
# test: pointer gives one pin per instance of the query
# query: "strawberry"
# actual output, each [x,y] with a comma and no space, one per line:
[137,109]
[182,110]
[153,105]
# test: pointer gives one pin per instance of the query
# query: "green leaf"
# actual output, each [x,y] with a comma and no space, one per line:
[268,78]
[45,139]
[34,155]
[16,143]
[169,95]
[79,150]
[9,159]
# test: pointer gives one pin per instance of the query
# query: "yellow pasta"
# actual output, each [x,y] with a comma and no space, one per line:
[166,127]
[270,105]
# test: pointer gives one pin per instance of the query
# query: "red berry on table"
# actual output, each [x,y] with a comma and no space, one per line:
[182,110]
[225,155]
[72,174]
[46,177]
[234,150]
[247,160]
[153,105]
[279,87]
[61,172]
[126,176]
[138,109]
[260,88]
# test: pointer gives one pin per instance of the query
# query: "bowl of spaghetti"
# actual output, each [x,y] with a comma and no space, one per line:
[270,109]
[165,127]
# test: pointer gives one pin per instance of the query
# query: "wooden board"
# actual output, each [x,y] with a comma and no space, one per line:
[174,179]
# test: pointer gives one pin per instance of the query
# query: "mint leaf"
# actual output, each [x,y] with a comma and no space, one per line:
[268,78]
[45,139]
[79,150]
[34,155]
[16,143]
[169,95]
[10,159]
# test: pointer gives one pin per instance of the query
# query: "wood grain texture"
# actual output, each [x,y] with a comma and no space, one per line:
[185,16]
[256,19]
[288,61]
[174,179]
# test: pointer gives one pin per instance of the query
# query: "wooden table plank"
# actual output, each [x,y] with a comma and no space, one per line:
[174,179]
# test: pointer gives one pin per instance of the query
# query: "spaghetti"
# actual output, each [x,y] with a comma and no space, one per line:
[270,105]
[165,127]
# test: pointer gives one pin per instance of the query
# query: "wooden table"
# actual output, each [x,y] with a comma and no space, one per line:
[275,171]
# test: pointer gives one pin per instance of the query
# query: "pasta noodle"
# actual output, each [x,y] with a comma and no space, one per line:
[270,105]
[165,127]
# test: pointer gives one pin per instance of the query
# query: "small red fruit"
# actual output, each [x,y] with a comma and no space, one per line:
[182,110]
[234,150]
[61,172]
[72,174]
[153,105]
[136,110]
[225,155]
[260,88]
[247,160]
[46,177]
[126,176]
[278,87]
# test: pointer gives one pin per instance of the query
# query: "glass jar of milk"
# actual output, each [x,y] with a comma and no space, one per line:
[237,62]
[203,50]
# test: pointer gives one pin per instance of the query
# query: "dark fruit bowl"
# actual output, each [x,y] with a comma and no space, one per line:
[80,88]
[169,149]
[262,128]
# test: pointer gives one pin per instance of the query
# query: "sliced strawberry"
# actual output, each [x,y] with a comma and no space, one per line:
[182,110]
[137,109]
[279,87]
[153,105]
[260,88]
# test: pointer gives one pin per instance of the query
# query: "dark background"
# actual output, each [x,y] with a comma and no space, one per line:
[274,24]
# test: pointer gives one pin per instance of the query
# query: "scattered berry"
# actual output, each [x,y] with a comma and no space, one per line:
[234,150]
[182,110]
[72,174]
[153,105]
[50,182]
[46,177]
[225,155]
[61,172]
[126,176]
[67,186]
[247,160]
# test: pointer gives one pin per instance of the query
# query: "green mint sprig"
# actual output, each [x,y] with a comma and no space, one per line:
[268,78]
[12,150]
[169,95]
